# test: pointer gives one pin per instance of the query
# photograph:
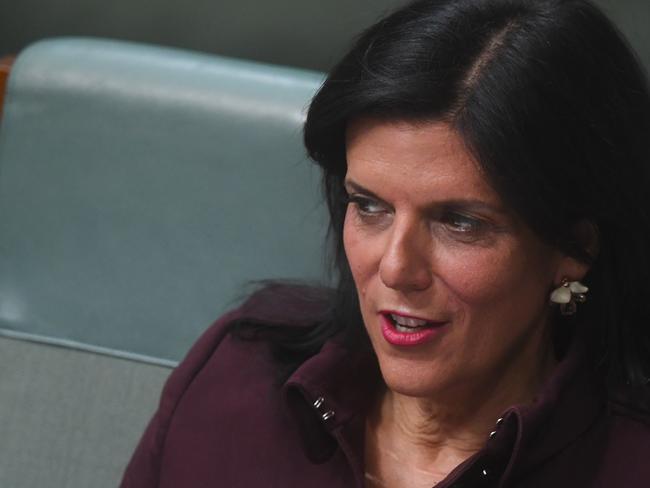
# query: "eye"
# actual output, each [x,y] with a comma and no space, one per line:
[366,206]
[463,224]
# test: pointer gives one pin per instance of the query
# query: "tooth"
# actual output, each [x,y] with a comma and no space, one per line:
[401,328]
[408,321]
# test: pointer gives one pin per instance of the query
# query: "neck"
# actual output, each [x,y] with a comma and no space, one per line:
[427,437]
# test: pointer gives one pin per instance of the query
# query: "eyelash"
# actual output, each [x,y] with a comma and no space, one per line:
[457,223]
[363,205]
[463,224]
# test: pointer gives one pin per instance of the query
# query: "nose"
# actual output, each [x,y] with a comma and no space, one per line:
[406,262]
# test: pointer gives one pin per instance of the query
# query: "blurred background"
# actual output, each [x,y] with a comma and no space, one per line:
[304,33]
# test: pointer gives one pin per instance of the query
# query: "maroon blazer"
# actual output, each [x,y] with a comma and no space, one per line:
[224,421]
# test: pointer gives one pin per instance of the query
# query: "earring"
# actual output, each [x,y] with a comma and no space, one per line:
[568,294]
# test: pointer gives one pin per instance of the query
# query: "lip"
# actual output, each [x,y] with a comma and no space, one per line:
[406,339]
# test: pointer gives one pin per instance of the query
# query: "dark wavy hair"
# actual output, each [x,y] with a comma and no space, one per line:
[555,107]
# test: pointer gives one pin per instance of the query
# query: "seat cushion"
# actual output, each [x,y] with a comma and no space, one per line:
[70,418]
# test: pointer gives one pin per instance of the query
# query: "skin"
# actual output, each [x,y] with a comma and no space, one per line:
[427,236]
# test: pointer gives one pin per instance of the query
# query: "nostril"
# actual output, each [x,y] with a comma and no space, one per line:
[406,278]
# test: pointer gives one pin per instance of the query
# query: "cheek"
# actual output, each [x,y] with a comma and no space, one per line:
[475,275]
[487,276]
[363,248]
[354,244]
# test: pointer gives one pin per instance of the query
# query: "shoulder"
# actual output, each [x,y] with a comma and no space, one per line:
[144,468]
[630,401]
[609,449]
[218,383]
[625,456]
[628,409]
[274,307]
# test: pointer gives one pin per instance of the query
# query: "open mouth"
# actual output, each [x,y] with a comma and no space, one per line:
[402,330]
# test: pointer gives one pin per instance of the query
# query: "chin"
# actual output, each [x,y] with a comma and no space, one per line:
[406,379]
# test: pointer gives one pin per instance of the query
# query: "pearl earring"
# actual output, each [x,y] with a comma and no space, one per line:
[568,294]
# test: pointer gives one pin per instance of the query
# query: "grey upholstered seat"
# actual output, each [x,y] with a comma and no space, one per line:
[141,188]
[70,418]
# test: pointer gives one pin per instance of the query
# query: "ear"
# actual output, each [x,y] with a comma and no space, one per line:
[586,235]
[570,268]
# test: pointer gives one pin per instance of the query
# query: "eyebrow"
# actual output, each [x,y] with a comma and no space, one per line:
[456,203]
[360,189]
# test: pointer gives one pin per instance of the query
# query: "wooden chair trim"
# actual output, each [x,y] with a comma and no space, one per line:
[5,67]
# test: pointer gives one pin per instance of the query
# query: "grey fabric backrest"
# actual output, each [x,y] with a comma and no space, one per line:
[141,188]
[70,418]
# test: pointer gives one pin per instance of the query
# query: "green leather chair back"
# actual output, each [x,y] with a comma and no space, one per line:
[142,188]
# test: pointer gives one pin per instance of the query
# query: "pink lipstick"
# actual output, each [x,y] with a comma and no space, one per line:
[404,330]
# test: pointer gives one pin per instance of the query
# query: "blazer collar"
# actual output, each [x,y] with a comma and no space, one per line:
[328,392]
[567,405]
[335,388]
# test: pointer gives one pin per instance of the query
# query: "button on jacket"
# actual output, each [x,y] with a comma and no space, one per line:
[225,421]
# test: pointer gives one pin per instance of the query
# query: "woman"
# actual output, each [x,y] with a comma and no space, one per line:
[486,169]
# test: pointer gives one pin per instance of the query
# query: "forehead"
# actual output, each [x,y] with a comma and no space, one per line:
[419,159]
